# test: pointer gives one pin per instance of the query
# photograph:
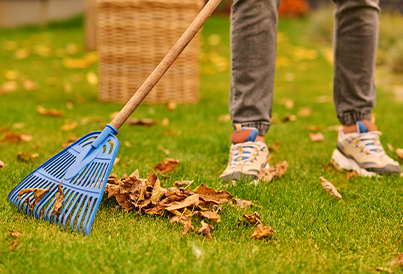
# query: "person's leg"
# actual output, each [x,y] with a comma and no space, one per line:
[253,56]
[355,46]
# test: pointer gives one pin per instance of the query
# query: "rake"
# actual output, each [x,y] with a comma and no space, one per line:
[79,173]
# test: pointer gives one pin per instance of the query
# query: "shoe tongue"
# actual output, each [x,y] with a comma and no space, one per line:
[361,127]
[244,135]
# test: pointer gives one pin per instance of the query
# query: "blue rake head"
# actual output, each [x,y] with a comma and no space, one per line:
[82,169]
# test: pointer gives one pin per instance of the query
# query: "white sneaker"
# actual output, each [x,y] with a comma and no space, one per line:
[362,151]
[246,156]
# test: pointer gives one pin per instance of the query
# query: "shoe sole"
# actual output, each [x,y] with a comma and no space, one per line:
[341,162]
[238,176]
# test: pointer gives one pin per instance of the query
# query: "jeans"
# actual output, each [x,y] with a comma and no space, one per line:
[253,55]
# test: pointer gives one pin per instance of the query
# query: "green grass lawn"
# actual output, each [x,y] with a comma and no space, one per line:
[314,231]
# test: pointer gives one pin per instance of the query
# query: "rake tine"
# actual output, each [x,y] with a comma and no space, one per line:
[14,196]
[72,202]
[81,214]
[44,201]
[81,199]
[87,215]
[68,198]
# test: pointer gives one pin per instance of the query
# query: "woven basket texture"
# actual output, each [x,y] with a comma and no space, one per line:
[134,36]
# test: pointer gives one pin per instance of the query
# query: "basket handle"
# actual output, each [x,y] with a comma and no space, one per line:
[163,66]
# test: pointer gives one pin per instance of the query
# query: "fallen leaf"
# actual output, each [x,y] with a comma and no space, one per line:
[305,111]
[390,147]
[185,221]
[351,174]
[127,143]
[252,218]
[87,120]
[116,161]
[397,261]
[266,174]
[49,112]
[69,104]
[70,141]
[314,128]
[383,269]
[92,78]
[289,117]
[324,99]
[18,125]
[334,128]
[316,137]
[191,201]
[171,132]
[9,86]
[330,188]
[210,195]
[67,87]
[167,165]
[15,233]
[180,184]
[39,193]
[165,121]
[69,126]
[262,231]
[141,122]
[213,216]
[29,84]
[59,201]
[113,115]
[11,137]
[224,118]
[170,105]
[244,204]
[399,152]
[26,156]
[166,151]
[1,164]
[205,230]
[288,103]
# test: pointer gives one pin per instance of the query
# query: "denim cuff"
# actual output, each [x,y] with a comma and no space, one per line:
[263,128]
[352,117]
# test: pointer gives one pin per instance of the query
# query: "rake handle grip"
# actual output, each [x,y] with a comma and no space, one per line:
[164,65]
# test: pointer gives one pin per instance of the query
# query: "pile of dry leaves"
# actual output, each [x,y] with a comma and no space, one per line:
[146,195]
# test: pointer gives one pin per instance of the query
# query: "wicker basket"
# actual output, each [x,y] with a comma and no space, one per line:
[134,36]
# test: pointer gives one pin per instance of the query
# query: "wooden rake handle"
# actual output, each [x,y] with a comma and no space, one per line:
[164,65]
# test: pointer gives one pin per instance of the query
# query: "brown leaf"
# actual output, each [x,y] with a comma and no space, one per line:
[170,105]
[211,195]
[241,203]
[289,117]
[351,174]
[49,112]
[26,156]
[329,187]
[383,269]
[157,192]
[69,126]
[262,231]
[1,164]
[224,118]
[7,87]
[167,165]
[305,111]
[334,128]
[316,137]
[209,215]
[205,230]
[15,233]
[185,221]
[314,128]
[267,174]
[58,202]
[180,184]
[29,84]
[192,200]
[69,142]
[288,103]
[165,122]
[252,218]
[397,261]
[399,152]
[390,147]
[141,122]
[11,137]
[171,132]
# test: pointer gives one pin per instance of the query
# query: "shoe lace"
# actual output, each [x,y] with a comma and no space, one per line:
[244,153]
[369,143]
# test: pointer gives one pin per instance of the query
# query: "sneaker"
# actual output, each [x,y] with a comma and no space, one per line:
[247,156]
[362,151]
